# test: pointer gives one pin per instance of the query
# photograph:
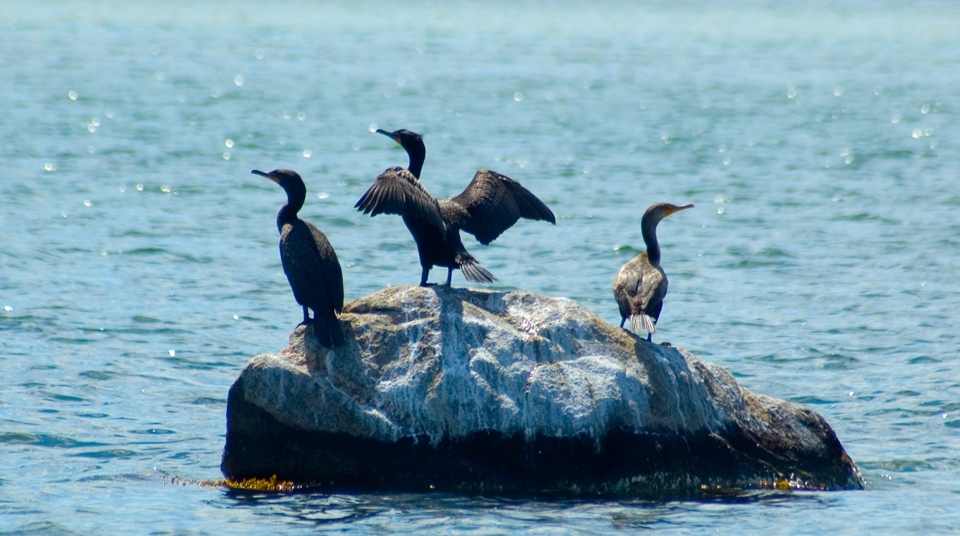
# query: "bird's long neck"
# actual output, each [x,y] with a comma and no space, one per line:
[417,154]
[295,197]
[648,227]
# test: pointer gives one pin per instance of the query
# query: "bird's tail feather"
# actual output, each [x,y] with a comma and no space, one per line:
[642,323]
[328,331]
[476,273]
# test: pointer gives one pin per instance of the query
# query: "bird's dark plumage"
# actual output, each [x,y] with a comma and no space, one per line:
[641,284]
[309,261]
[489,205]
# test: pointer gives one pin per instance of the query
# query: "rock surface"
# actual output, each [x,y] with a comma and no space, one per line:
[512,392]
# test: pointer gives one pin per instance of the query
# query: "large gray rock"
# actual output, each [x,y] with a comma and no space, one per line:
[511,392]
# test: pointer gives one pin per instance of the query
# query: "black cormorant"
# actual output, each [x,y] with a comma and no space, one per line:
[641,284]
[309,261]
[489,205]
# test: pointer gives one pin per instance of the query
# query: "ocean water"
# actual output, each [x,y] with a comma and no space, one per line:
[139,269]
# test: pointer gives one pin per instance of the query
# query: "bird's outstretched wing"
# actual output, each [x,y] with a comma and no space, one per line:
[491,204]
[397,191]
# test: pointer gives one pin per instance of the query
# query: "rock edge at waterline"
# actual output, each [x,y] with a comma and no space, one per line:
[466,390]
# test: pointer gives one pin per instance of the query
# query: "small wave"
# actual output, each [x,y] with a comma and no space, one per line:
[111,453]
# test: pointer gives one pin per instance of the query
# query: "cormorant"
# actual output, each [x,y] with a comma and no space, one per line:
[489,205]
[309,261]
[641,285]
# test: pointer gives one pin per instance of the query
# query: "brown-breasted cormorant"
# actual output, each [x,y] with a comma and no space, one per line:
[641,284]
[309,261]
[489,205]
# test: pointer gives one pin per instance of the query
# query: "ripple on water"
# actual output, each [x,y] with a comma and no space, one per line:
[41,528]
[88,415]
[99,375]
[107,454]
[46,440]
[206,401]
[61,397]
[865,216]
[153,431]
[813,400]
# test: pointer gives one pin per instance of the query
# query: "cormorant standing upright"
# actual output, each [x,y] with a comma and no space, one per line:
[641,285]
[309,261]
[489,205]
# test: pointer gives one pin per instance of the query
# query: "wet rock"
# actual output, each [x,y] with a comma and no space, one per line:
[512,392]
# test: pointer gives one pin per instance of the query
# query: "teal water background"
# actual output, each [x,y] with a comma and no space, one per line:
[139,269]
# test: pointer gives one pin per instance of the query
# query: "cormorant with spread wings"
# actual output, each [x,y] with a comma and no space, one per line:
[490,205]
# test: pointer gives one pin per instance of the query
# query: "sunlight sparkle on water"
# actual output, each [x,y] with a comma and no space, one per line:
[307,153]
[226,156]
[50,167]
[518,96]
[228,143]
[258,54]
[72,95]
[925,109]
[238,80]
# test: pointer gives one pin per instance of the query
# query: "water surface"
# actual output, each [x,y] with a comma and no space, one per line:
[139,268]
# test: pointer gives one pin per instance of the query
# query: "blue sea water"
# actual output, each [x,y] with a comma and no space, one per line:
[139,269]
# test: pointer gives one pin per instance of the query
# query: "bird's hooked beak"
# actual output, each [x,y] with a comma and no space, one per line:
[390,135]
[270,175]
[671,210]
